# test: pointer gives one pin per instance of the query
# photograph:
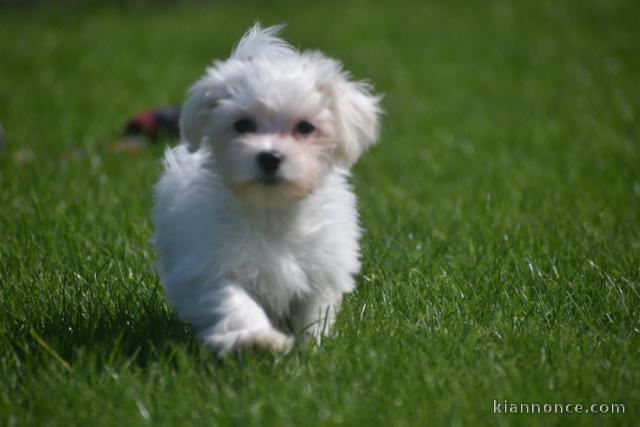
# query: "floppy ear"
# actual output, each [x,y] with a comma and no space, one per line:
[357,113]
[196,113]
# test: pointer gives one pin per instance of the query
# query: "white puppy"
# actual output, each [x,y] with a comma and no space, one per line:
[256,225]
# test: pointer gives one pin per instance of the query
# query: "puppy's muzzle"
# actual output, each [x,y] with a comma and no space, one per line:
[269,162]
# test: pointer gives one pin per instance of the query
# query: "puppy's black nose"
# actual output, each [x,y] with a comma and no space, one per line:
[269,161]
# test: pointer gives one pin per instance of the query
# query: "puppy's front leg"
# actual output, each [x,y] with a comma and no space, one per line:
[314,317]
[229,319]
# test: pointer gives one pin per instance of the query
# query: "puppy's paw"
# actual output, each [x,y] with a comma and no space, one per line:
[269,340]
[264,340]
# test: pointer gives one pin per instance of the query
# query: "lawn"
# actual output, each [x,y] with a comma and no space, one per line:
[501,258]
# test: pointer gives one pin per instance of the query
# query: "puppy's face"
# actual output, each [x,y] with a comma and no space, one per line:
[277,120]
[273,140]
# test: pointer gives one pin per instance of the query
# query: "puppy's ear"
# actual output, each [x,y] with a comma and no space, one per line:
[196,113]
[357,113]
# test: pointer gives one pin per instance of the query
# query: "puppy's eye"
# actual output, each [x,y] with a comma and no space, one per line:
[245,125]
[304,127]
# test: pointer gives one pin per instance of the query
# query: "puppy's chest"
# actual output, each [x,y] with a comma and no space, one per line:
[275,270]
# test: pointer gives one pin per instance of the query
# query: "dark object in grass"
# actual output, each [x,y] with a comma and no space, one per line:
[147,127]
[153,123]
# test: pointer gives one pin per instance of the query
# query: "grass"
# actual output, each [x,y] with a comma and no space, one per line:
[502,215]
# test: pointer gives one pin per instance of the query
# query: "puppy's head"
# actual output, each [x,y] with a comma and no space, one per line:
[278,120]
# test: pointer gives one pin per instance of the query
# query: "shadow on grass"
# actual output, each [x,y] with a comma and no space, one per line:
[112,333]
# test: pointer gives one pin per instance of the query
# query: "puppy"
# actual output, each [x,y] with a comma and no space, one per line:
[256,227]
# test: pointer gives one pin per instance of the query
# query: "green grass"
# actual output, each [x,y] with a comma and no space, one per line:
[502,215]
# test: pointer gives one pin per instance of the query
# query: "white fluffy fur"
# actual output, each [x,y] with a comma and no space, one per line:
[245,260]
